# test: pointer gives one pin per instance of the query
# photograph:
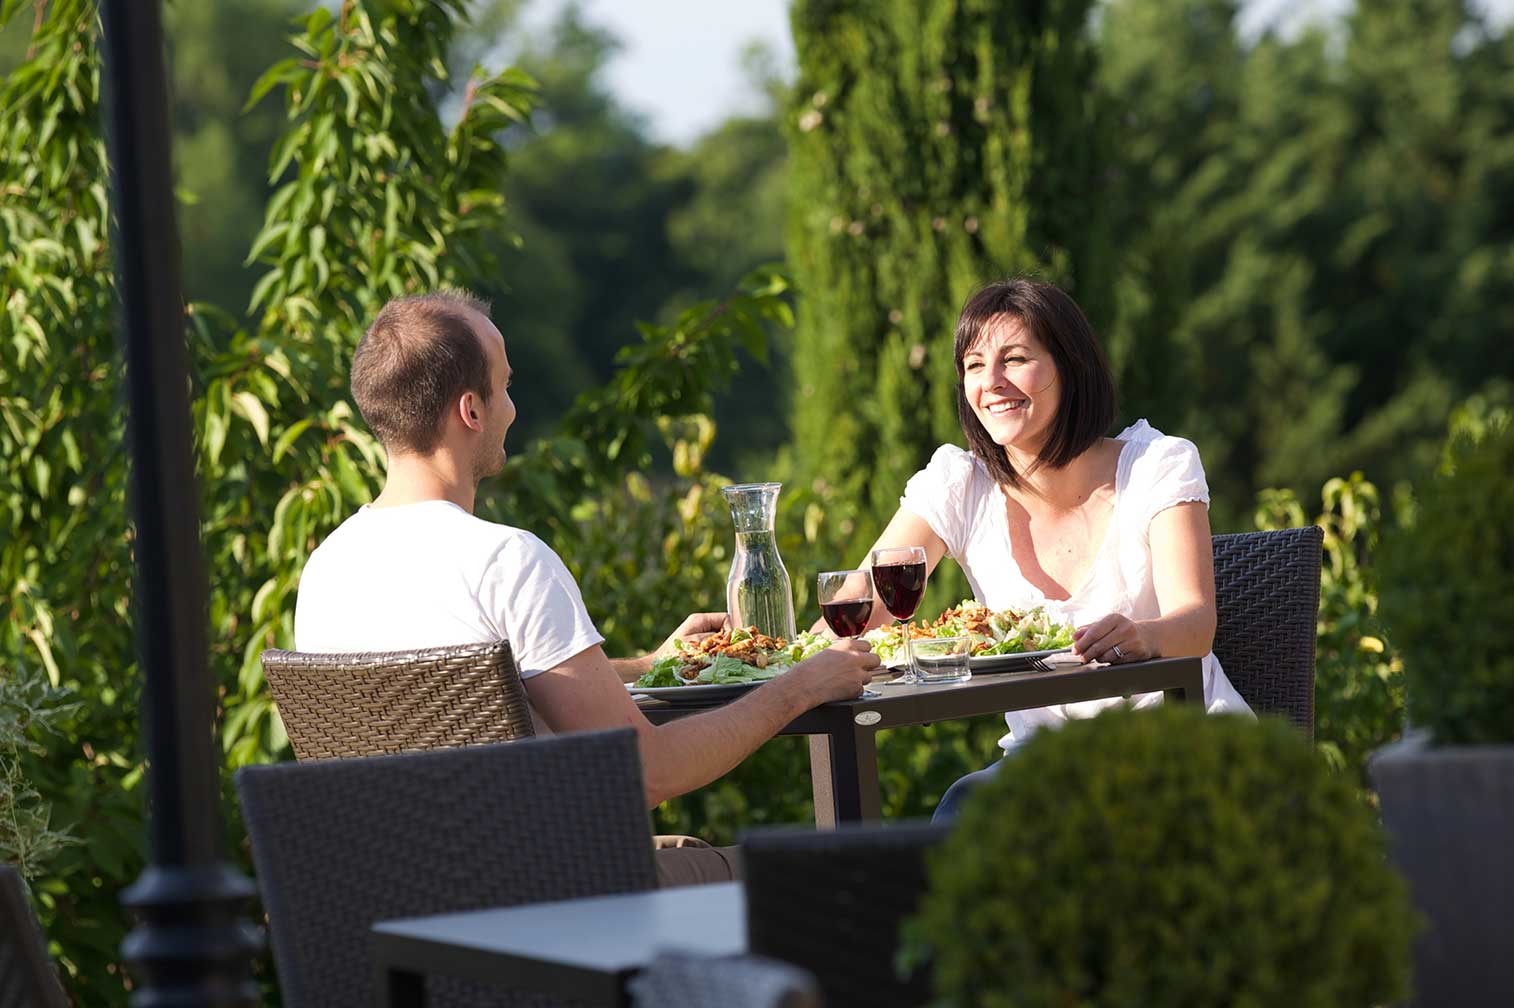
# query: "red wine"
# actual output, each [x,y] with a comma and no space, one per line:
[847,617]
[900,586]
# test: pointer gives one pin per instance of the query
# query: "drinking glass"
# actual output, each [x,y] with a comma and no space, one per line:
[899,575]
[846,600]
[943,659]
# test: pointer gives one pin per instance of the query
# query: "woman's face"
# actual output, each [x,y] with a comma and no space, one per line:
[1012,385]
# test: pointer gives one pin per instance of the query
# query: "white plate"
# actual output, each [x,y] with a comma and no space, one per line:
[1016,662]
[699,692]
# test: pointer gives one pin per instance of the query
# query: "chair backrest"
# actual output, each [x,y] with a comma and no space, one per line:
[368,703]
[1267,597]
[339,844]
[27,977]
[832,902]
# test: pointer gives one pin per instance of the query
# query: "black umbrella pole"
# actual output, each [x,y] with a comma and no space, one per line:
[191,945]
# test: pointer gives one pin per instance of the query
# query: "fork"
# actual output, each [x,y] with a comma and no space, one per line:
[1045,663]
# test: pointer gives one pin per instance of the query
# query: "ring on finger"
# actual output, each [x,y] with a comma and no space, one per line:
[1117,652]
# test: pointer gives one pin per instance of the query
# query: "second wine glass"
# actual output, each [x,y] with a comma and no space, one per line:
[899,575]
[846,600]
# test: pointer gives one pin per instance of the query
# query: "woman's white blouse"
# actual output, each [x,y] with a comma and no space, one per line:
[955,495]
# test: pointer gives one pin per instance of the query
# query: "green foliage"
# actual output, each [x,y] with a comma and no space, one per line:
[220,152]
[639,546]
[30,708]
[932,147]
[381,200]
[1311,265]
[1164,857]
[64,544]
[1358,685]
[1448,586]
[376,198]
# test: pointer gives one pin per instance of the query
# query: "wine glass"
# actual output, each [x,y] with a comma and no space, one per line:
[899,574]
[846,600]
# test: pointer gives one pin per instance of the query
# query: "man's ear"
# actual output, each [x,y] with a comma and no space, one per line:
[467,411]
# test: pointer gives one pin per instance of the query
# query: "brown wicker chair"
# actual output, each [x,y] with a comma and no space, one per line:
[1267,597]
[27,977]
[369,703]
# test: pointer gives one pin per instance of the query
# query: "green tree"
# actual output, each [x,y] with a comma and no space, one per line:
[590,207]
[65,546]
[1313,233]
[216,51]
[380,199]
[932,147]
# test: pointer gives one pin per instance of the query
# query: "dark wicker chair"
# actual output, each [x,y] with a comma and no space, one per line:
[339,844]
[27,977]
[1267,597]
[678,981]
[831,902]
[369,703]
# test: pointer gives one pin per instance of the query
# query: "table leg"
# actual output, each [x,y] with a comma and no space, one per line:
[404,989]
[1192,690]
[844,776]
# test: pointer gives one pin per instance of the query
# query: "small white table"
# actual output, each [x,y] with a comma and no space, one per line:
[584,949]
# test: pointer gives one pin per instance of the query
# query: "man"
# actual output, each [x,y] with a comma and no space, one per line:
[416,569]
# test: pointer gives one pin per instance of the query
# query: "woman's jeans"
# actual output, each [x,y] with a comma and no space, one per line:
[951,802]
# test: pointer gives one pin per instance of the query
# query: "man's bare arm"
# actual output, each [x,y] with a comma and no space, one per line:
[585,693]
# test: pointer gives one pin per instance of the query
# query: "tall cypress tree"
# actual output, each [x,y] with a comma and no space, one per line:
[934,145]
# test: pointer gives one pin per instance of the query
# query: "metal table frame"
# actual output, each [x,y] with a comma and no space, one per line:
[843,735]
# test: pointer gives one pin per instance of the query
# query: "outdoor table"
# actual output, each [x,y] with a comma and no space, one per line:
[584,949]
[842,735]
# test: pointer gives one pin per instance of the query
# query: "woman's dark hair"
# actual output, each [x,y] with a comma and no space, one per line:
[419,355]
[1087,406]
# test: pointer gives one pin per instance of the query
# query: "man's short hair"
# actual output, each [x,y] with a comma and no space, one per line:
[419,355]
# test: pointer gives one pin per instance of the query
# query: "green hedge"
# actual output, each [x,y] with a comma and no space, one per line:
[1448,586]
[1165,857]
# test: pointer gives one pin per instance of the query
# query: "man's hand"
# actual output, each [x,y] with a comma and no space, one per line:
[694,628]
[837,673]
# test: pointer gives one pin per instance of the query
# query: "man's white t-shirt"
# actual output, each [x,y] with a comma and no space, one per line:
[431,574]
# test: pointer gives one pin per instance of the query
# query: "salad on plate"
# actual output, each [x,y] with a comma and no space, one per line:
[731,657]
[992,632]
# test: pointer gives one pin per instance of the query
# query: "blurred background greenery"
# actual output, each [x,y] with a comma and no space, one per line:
[1298,246]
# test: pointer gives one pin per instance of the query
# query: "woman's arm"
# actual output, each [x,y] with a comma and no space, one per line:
[1182,571]
[905,529]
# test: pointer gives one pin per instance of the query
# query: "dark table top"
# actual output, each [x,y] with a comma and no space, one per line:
[982,694]
[583,948]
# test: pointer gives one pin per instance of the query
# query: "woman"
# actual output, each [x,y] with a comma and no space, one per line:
[1109,534]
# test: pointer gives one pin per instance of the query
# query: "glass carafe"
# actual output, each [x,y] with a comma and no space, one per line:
[758,592]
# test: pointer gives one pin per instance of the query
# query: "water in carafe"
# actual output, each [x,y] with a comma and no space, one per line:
[758,592]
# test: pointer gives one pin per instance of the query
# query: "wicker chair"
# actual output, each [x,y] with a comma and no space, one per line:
[831,902]
[340,844]
[369,703]
[27,977]
[680,981]
[1267,596]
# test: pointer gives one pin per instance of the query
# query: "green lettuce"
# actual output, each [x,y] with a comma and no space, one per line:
[664,672]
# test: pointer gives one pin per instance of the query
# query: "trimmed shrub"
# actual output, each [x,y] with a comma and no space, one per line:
[1447,592]
[1163,857]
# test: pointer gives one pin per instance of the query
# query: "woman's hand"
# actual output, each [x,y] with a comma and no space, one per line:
[1114,638]
[695,628]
